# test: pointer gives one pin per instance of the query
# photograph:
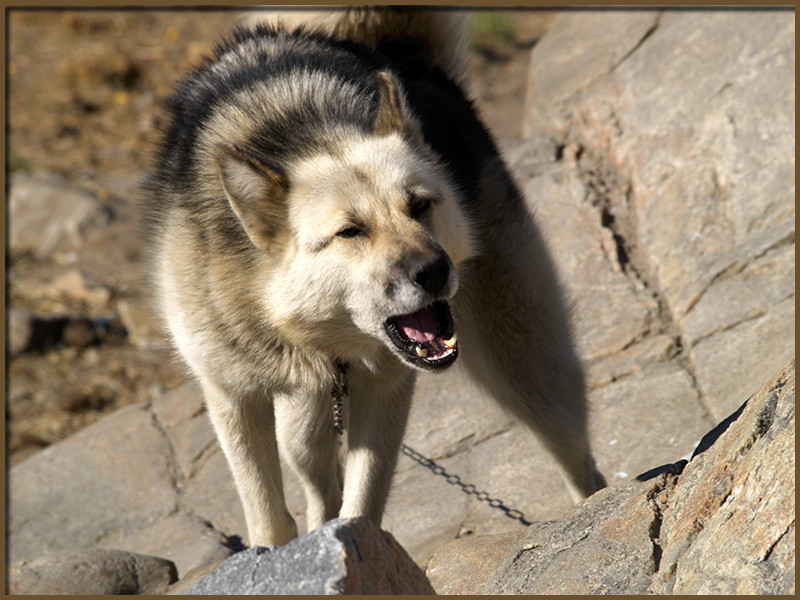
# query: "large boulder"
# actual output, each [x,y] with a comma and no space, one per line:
[721,524]
[683,126]
[728,528]
[346,556]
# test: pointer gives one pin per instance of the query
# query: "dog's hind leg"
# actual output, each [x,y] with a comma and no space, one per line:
[514,336]
[246,431]
[530,371]
[377,410]
[308,441]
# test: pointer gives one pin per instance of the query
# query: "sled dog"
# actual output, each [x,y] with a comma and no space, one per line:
[328,216]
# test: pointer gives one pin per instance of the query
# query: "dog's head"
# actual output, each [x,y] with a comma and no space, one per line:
[362,242]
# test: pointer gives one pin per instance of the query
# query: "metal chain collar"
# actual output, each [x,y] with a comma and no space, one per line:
[338,395]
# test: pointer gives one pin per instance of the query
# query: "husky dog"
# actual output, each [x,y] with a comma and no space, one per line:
[327,212]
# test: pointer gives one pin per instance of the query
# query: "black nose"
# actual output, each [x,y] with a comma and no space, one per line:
[432,277]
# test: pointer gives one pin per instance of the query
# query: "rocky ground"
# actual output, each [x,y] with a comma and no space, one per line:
[656,149]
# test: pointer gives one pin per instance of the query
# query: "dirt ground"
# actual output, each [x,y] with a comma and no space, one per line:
[84,93]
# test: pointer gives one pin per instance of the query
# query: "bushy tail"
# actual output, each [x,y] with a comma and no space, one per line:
[442,33]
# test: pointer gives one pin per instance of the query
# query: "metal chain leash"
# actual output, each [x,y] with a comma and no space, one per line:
[467,488]
[339,395]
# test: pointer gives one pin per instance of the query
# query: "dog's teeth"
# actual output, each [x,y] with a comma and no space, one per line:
[421,352]
[451,343]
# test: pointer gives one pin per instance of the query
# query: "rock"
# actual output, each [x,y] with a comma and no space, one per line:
[32,332]
[346,556]
[661,405]
[578,50]
[89,490]
[721,524]
[20,330]
[610,312]
[77,401]
[142,326]
[603,546]
[46,332]
[188,541]
[718,358]
[79,333]
[184,586]
[463,566]
[47,213]
[77,492]
[729,526]
[92,571]
[689,116]
[76,286]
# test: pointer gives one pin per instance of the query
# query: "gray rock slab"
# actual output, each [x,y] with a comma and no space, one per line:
[207,489]
[704,117]
[182,416]
[515,471]
[187,541]
[114,476]
[648,418]
[609,312]
[562,66]
[743,288]
[346,556]
[726,71]
[211,494]
[92,571]
[449,415]
[47,213]
[735,363]
[652,349]
[694,111]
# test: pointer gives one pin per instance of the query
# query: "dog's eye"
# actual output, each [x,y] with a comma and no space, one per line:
[350,232]
[419,206]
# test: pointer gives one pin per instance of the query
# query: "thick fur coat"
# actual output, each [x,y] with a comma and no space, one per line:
[326,196]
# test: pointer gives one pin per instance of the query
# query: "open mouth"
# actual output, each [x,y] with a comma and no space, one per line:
[427,337]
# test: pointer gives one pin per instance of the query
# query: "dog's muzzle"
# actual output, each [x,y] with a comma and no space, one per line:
[427,337]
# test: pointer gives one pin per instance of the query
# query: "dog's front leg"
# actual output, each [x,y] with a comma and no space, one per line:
[377,411]
[246,431]
[309,443]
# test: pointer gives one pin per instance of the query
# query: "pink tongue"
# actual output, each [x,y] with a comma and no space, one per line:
[420,327]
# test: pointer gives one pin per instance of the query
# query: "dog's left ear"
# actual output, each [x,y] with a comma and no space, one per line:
[391,118]
[256,193]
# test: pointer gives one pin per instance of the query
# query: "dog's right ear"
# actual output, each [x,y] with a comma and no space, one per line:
[256,193]
[390,117]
